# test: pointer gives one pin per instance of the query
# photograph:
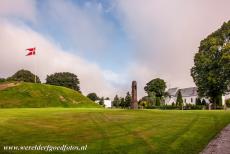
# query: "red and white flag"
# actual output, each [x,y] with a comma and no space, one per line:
[31,51]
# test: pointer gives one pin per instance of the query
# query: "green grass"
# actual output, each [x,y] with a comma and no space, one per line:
[41,95]
[112,131]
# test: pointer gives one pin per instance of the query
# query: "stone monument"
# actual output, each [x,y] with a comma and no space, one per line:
[134,104]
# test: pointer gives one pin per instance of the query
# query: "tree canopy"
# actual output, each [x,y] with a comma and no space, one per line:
[211,70]
[24,75]
[179,100]
[93,96]
[64,79]
[156,86]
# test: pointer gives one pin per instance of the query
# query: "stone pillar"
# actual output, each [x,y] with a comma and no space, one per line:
[134,104]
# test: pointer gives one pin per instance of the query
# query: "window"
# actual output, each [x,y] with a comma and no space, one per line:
[185,100]
[191,100]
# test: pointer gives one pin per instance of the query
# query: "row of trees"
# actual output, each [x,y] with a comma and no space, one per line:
[122,102]
[64,79]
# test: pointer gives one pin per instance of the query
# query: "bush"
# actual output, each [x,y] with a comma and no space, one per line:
[25,76]
[64,79]
[227,103]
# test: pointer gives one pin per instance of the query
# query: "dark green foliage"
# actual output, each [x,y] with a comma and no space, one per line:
[198,101]
[227,103]
[2,80]
[156,86]
[64,79]
[101,101]
[158,101]
[122,102]
[116,101]
[211,70]
[151,101]
[179,100]
[25,76]
[203,102]
[128,100]
[93,96]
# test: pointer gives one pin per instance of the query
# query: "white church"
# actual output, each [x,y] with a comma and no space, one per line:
[189,96]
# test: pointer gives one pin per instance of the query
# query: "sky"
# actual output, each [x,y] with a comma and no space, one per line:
[108,43]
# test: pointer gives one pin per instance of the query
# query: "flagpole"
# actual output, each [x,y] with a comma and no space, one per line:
[35,80]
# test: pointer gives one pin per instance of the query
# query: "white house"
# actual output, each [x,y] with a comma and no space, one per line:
[108,103]
[189,95]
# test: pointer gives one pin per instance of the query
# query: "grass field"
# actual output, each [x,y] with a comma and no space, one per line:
[112,131]
[30,95]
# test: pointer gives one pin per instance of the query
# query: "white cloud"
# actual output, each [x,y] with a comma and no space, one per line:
[166,34]
[23,9]
[50,58]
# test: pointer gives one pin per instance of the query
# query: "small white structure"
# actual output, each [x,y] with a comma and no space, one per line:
[108,103]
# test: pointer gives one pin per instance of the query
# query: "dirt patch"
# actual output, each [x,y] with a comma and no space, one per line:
[8,85]
[219,145]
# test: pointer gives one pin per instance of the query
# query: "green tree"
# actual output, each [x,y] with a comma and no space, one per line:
[179,100]
[203,102]
[156,88]
[93,96]
[116,101]
[198,101]
[211,70]
[122,102]
[2,80]
[128,100]
[64,79]
[101,101]
[25,76]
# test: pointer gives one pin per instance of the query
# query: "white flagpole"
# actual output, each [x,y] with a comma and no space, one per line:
[35,80]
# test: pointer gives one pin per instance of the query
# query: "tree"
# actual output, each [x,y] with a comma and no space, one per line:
[64,79]
[203,102]
[25,76]
[198,101]
[128,100]
[156,88]
[116,101]
[101,101]
[2,80]
[122,102]
[93,96]
[179,100]
[211,70]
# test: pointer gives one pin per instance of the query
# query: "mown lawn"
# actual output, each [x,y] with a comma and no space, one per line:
[112,131]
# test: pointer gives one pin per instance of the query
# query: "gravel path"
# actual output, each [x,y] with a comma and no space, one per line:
[219,145]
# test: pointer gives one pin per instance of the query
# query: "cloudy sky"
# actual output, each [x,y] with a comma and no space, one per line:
[108,43]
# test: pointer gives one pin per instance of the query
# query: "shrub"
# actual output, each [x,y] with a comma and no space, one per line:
[25,76]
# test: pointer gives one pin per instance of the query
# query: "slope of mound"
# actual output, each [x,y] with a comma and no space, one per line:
[41,95]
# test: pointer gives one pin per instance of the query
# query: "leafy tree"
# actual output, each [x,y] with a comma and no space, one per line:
[179,100]
[198,101]
[128,100]
[93,96]
[107,98]
[211,70]
[156,89]
[158,101]
[25,76]
[101,101]
[116,101]
[143,104]
[151,101]
[122,102]
[203,102]
[156,86]
[64,79]
[2,80]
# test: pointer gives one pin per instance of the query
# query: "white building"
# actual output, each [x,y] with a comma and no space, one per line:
[189,95]
[108,103]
